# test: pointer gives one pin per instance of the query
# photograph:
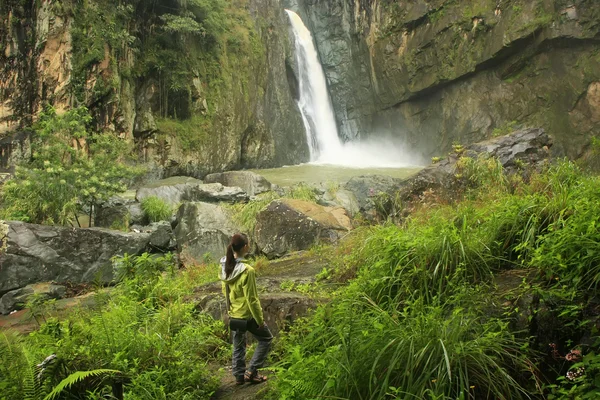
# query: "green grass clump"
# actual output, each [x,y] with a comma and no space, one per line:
[417,351]
[302,191]
[245,214]
[155,209]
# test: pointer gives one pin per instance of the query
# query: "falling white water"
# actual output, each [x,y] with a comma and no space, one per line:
[319,120]
[314,103]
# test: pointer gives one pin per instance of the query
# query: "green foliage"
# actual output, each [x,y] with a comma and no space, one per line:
[159,342]
[302,191]
[140,275]
[72,170]
[505,129]
[245,214]
[357,349]
[13,364]
[581,381]
[418,320]
[570,248]
[78,377]
[156,209]
[483,171]
[39,306]
[387,206]
[190,134]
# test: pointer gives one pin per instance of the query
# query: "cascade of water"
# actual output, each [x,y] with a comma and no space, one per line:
[315,105]
[319,120]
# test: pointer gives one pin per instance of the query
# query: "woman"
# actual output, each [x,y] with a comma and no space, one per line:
[245,312]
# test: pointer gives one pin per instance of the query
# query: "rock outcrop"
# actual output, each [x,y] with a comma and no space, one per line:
[250,182]
[203,232]
[290,225]
[176,190]
[17,299]
[438,72]
[524,148]
[118,213]
[36,253]
[368,190]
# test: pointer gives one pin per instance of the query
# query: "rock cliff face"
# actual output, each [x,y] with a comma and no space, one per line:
[231,107]
[439,71]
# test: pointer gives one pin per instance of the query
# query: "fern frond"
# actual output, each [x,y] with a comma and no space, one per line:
[32,387]
[77,377]
[305,387]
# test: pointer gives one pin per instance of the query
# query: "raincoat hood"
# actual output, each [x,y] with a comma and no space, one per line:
[240,267]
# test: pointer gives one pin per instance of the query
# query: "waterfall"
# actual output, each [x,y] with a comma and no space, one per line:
[383,150]
[314,103]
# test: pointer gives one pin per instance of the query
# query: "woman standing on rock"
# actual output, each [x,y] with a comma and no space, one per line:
[245,312]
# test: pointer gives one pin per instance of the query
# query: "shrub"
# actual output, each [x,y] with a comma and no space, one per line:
[155,209]
[245,214]
[72,170]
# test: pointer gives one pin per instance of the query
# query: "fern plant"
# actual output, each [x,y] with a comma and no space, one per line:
[78,377]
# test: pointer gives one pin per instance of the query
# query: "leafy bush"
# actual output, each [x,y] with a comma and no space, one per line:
[156,209]
[72,170]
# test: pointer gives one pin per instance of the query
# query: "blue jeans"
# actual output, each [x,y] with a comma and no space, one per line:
[264,338]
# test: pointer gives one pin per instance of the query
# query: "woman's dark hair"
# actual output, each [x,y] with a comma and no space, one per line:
[238,241]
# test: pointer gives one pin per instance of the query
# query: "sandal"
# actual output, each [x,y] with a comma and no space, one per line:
[240,380]
[254,378]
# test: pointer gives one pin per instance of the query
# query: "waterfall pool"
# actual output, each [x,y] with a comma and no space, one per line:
[315,174]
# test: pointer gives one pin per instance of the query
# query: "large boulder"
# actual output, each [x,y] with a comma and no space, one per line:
[252,183]
[363,193]
[289,225]
[119,212]
[177,190]
[525,147]
[522,147]
[32,253]
[203,232]
[16,299]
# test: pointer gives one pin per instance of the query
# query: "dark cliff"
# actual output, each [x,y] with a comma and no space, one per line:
[435,72]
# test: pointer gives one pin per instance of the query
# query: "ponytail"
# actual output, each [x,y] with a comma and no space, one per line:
[229,261]
[238,241]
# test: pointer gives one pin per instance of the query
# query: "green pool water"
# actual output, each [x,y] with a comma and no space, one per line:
[315,174]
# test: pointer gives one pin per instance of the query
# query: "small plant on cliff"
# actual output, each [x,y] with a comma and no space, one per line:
[156,209]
